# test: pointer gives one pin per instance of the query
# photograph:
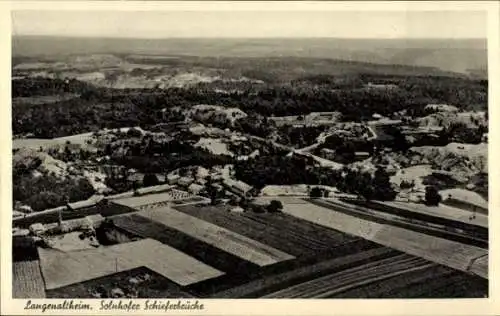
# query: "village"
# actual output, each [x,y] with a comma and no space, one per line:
[196,227]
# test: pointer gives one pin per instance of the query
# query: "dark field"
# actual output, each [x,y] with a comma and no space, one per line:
[281,231]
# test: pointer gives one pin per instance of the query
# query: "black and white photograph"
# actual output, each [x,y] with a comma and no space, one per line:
[236,154]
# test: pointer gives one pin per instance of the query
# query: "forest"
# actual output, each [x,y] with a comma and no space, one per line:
[104,107]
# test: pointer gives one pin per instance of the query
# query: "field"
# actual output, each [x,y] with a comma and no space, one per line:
[156,286]
[434,282]
[443,211]
[443,251]
[267,284]
[421,223]
[36,143]
[332,284]
[27,281]
[226,240]
[211,255]
[281,231]
[61,269]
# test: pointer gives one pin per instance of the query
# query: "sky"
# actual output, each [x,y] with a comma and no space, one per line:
[252,24]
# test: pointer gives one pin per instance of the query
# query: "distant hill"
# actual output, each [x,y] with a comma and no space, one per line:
[466,56]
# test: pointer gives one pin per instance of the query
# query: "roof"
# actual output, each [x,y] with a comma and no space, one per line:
[93,200]
[154,189]
[240,185]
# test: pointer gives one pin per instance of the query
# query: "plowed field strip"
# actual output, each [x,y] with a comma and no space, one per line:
[202,251]
[277,281]
[27,281]
[439,250]
[278,239]
[392,287]
[280,231]
[347,279]
[224,239]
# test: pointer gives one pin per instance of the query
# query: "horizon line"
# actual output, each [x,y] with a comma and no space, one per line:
[246,38]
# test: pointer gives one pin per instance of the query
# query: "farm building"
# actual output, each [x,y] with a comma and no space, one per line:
[361,155]
[185,181]
[154,189]
[136,177]
[37,228]
[237,187]
[195,188]
[83,223]
[173,178]
[92,201]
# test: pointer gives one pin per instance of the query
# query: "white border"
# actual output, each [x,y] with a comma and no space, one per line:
[264,307]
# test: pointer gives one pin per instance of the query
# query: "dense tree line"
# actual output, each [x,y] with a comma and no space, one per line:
[45,86]
[279,170]
[48,191]
[154,157]
[299,136]
[102,107]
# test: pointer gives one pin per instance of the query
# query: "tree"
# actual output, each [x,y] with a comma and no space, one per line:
[432,197]
[315,192]
[382,186]
[150,179]
[275,206]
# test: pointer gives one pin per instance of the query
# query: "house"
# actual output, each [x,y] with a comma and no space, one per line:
[92,201]
[136,177]
[361,155]
[195,188]
[185,181]
[237,187]
[154,189]
[173,178]
[37,228]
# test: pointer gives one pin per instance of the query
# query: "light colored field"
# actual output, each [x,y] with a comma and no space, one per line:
[443,211]
[446,252]
[215,145]
[439,250]
[328,218]
[226,240]
[27,281]
[139,201]
[466,196]
[480,266]
[65,268]
[36,143]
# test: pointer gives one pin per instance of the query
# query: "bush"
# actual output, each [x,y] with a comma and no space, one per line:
[315,193]
[150,179]
[275,206]
[432,197]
